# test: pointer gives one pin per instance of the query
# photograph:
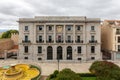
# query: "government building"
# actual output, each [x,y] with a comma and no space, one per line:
[64,38]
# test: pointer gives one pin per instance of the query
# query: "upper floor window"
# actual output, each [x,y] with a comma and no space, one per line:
[49,28]
[92,38]
[26,49]
[40,28]
[79,27]
[39,49]
[78,38]
[92,28]
[26,38]
[69,27]
[69,38]
[92,49]
[118,39]
[26,28]
[50,38]
[40,38]
[79,49]
[118,31]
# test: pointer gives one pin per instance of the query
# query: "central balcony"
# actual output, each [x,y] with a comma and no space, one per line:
[49,41]
[69,41]
[92,41]
[40,41]
[59,41]
[26,41]
[79,41]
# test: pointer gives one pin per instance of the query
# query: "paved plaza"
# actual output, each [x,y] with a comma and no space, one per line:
[49,67]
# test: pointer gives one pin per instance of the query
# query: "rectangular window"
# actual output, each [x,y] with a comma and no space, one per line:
[49,28]
[118,31]
[78,38]
[26,28]
[92,28]
[26,49]
[92,38]
[92,49]
[92,58]
[118,47]
[50,38]
[40,38]
[26,38]
[69,38]
[79,27]
[69,27]
[39,49]
[118,39]
[79,49]
[40,28]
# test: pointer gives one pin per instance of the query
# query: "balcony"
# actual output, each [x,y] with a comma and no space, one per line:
[79,41]
[117,32]
[92,31]
[59,41]
[40,41]
[50,41]
[92,41]
[69,41]
[26,41]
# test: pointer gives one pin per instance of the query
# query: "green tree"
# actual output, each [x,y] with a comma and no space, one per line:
[8,33]
[65,74]
[105,70]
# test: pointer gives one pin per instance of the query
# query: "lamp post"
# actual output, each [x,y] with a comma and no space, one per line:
[58,61]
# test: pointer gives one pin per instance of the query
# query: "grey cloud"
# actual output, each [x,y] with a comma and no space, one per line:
[11,10]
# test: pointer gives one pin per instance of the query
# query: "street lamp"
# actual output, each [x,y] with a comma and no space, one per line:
[58,61]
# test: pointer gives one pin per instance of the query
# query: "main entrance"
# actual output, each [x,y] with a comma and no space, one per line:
[49,53]
[59,52]
[69,53]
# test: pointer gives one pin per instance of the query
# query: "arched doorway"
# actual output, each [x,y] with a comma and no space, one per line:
[69,53]
[59,52]
[49,53]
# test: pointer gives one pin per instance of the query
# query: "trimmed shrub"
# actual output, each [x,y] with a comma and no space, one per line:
[86,75]
[105,70]
[65,74]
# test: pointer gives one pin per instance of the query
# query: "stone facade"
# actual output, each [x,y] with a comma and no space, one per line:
[67,38]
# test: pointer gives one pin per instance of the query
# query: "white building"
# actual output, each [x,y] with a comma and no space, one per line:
[67,38]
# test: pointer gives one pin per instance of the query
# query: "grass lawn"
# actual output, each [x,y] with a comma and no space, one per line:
[88,78]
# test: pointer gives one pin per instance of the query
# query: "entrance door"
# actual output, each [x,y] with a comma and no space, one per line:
[49,53]
[69,53]
[59,52]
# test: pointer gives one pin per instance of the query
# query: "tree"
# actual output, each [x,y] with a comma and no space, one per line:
[65,74]
[105,70]
[8,33]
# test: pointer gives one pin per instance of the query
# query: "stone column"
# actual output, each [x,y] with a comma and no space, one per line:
[54,33]
[64,53]
[64,33]
[34,33]
[74,33]
[54,53]
[44,33]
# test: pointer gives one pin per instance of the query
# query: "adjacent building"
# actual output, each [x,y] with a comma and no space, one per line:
[110,36]
[67,38]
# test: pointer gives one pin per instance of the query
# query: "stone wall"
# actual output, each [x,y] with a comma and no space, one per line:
[15,37]
[6,44]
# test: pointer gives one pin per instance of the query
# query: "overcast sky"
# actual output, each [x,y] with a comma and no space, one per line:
[12,10]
